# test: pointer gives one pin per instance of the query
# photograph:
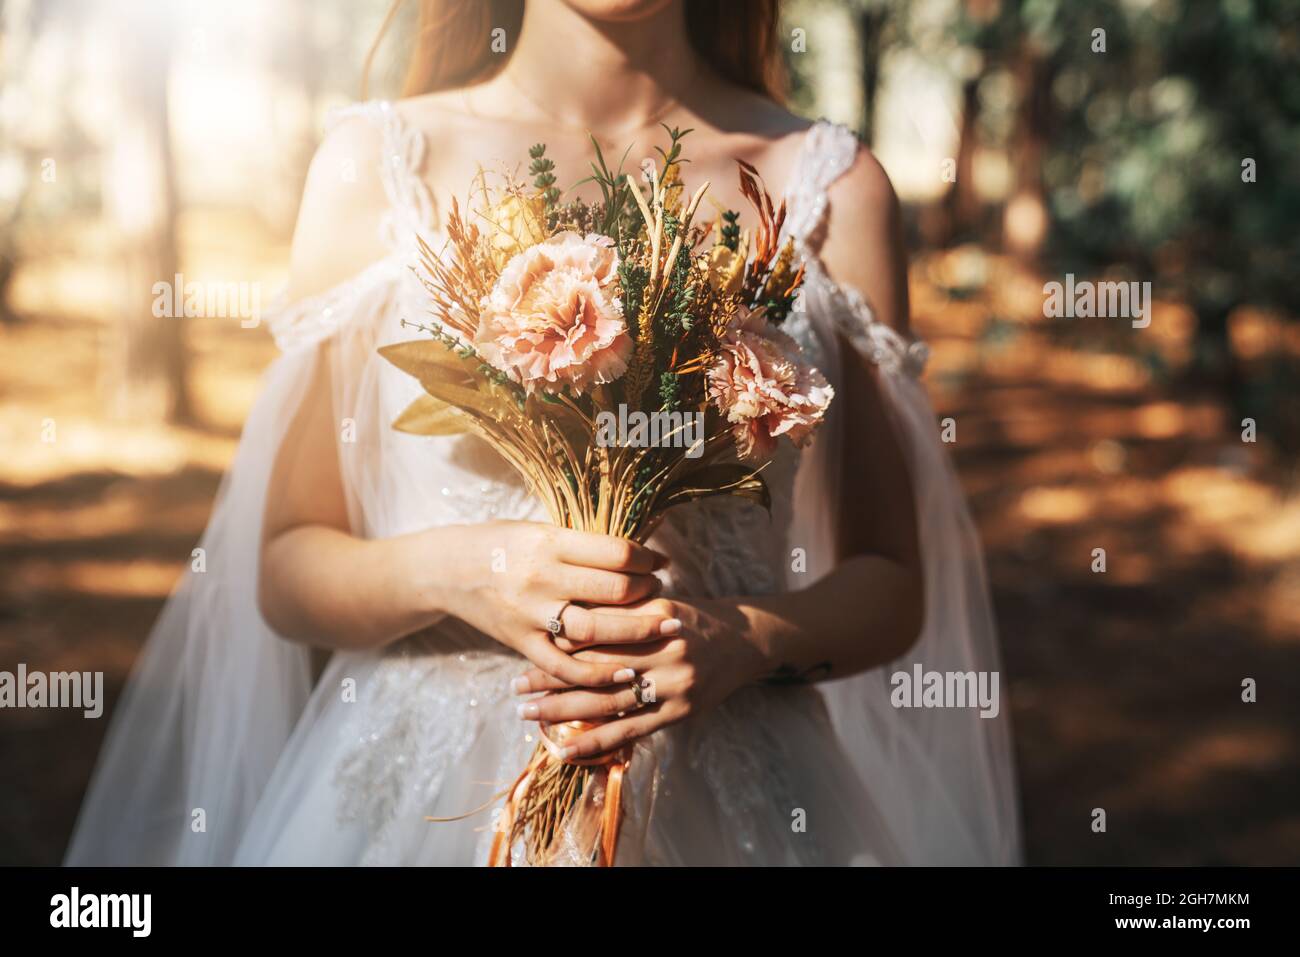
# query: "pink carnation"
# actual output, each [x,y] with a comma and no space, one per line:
[765,389]
[554,318]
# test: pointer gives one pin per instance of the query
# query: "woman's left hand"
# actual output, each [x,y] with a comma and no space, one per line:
[713,655]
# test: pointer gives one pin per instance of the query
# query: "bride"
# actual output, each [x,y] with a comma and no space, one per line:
[367,646]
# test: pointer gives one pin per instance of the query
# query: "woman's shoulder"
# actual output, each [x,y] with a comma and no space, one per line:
[342,207]
[858,238]
[861,243]
[852,218]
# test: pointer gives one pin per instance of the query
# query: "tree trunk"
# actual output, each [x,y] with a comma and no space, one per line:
[871,27]
[961,204]
[8,264]
[1025,218]
[139,195]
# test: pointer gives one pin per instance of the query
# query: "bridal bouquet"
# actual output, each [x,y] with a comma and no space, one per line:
[624,359]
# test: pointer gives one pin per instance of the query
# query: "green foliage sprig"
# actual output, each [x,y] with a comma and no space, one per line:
[731,229]
[673,155]
[614,188]
[543,172]
[633,279]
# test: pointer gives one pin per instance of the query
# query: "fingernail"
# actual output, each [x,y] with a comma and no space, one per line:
[566,753]
[528,711]
[670,626]
[519,685]
[625,674]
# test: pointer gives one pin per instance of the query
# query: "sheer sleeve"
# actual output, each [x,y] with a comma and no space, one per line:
[215,694]
[943,777]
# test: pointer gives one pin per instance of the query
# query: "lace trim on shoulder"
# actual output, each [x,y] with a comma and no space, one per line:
[885,346]
[313,319]
[828,152]
[411,206]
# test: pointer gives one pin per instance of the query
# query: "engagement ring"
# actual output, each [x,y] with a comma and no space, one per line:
[643,689]
[555,624]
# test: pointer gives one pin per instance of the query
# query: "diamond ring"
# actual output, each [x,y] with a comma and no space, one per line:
[643,690]
[555,624]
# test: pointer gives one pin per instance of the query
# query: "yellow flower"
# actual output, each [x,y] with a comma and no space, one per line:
[520,223]
[783,272]
[727,268]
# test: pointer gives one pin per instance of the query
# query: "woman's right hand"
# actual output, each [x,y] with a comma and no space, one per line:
[507,579]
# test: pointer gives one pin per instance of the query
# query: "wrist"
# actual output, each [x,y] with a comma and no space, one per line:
[439,585]
[761,640]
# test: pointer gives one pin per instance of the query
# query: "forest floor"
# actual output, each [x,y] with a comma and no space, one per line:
[1125,686]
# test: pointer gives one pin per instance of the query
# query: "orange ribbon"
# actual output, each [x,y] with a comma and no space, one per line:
[616,762]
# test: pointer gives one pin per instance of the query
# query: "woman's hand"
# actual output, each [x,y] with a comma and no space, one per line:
[715,654]
[510,578]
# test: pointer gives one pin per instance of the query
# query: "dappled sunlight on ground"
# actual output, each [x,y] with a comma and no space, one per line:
[1126,685]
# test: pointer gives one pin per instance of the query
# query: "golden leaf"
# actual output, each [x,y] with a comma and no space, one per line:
[427,359]
[430,416]
[444,376]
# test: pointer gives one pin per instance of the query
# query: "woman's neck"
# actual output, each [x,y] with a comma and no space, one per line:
[601,75]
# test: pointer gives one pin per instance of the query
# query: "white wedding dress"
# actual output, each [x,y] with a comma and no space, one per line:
[223,750]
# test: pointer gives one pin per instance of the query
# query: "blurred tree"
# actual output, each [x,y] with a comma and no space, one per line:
[833,52]
[873,19]
[1178,155]
[139,196]
[42,140]
[1160,137]
[961,202]
[17,27]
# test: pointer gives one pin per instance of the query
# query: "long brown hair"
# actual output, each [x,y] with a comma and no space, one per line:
[738,38]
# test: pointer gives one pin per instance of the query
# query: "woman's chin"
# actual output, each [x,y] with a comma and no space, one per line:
[618,11]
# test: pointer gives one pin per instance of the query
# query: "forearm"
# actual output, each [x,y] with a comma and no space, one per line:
[325,587]
[865,613]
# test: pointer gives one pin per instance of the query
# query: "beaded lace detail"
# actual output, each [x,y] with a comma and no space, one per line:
[410,201]
[401,745]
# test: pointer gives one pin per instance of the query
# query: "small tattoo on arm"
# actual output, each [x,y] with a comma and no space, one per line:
[787,675]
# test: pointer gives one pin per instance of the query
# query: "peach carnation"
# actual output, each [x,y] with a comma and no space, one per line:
[764,387]
[554,317]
